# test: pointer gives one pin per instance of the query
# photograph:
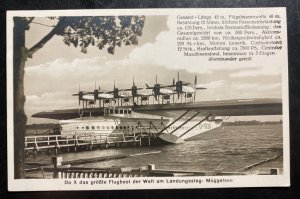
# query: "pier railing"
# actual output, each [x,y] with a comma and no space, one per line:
[35,143]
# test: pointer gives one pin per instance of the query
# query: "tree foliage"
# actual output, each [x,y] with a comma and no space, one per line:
[102,31]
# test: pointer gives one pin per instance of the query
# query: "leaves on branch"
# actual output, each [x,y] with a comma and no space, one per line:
[110,31]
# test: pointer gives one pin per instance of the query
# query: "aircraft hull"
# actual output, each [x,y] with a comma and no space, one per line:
[174,134]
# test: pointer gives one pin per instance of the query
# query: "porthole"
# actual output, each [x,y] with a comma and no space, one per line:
[93,127]
[107,127]
[121,127]
[98,127]
[112,127]
[103,127]
[87,127]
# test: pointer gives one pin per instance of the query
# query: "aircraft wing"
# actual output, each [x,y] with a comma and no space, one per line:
[66,114]
[236,107]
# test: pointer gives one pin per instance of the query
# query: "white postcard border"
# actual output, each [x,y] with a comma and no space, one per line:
[58,184]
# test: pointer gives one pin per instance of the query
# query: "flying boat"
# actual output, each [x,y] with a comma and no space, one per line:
[131,111]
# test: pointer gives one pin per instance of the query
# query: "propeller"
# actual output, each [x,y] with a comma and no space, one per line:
[156,88]
[96,92]
[133,89]
[197,87]
[115,91]
[178,86]
[80,95]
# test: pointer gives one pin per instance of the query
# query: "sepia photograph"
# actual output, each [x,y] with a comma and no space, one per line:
[147,99]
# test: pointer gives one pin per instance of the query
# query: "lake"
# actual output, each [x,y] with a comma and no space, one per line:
[228,147]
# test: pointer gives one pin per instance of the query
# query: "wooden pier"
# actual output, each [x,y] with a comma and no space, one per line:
[61,170]
[87,140]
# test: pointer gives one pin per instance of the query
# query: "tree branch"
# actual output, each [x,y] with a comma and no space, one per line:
[30,20]
[43,24]
[45,39]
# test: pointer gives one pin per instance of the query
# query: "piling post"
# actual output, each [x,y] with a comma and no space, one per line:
[56,160]
[140,141]
[274,171]
[34,152]
[56,150]
[151,167]
[149,141]
[91,142]
[75,143]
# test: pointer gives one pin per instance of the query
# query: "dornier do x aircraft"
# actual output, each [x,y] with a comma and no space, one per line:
[169,112]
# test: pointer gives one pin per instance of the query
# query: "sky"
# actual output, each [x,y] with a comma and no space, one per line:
[55,71]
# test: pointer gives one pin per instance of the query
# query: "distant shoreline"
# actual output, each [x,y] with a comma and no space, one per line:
[252,122]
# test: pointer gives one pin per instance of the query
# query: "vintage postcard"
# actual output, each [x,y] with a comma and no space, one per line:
[147,99]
